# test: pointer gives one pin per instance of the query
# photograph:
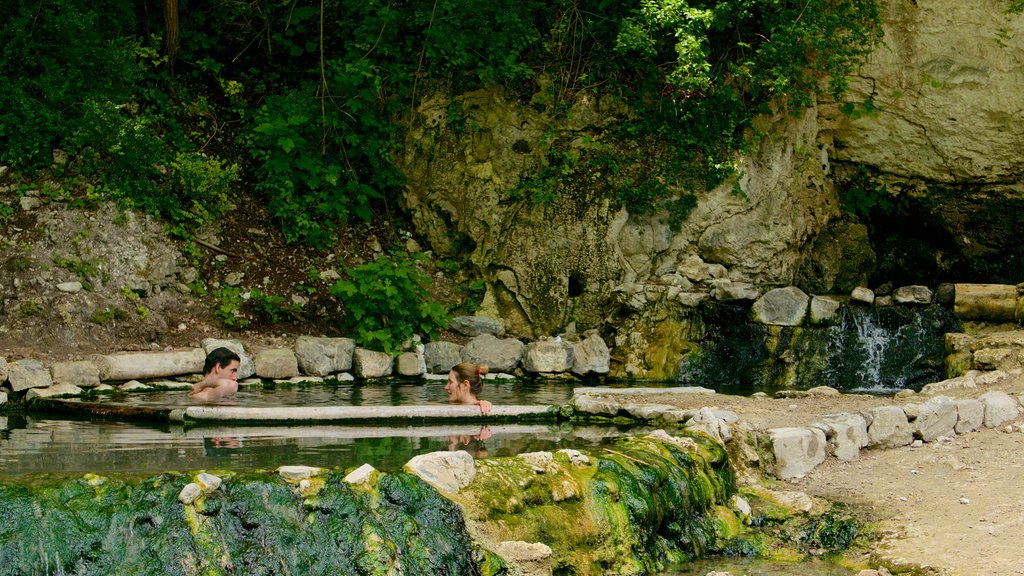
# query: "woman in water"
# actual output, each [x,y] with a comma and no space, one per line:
[465,381]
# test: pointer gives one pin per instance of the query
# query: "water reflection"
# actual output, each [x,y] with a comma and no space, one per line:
[40,445]
[384,393]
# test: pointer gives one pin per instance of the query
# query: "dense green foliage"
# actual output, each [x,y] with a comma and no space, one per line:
[305,102]
[387,302]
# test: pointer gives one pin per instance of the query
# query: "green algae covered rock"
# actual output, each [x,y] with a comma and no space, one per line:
[644,504]
[253,524]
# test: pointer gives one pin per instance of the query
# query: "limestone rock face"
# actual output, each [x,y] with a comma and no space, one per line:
[947,87]
[536,279]
[476,325]
[945,90]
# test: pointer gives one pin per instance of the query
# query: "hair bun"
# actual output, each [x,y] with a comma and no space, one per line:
[481,370]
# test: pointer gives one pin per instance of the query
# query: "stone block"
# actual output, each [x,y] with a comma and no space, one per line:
[411,364]
[936,418]
[551,356]
[888,427]
[993,302]
[1000,408]
[781,307]
[80,373]
[320,356]
[372,364]
[441,357]
[498,354]
[148,365]
[846,434]
[26,374]
[53,391]
[797,450]
[276,363]
[970,415]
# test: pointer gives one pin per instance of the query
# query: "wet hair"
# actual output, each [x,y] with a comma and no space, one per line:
[219,357]
[474,373]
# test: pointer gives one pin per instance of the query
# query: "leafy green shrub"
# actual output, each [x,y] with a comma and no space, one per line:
[229,307]
[270,307]
[387,302]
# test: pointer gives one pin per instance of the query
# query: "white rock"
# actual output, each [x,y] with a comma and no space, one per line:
[361,475]
[295,473]
[190,493]
[1000,408]
[797,450]
[208,482]
[446,471]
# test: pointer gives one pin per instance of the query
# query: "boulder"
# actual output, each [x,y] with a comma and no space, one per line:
[912,295]
[797,450]
[1000,408]
[824,310]
[591,356]
[320,356]
[28,373]
[476,325]
[846,434]
[3,400]
[446,471]
[781,307]
[3,370]
[80,373]
[372,364]
[936,418]
[190,493]
[246,368]
[553,355]
[862,295]
[888,427]
[499,355]
[276,363]
[410,364]
[441,357]
[970,415]
[693,268]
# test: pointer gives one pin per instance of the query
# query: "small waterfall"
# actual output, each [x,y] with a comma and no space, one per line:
[874,342]
[874,350]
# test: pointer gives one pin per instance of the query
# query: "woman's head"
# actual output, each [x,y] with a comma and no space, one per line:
[465,381]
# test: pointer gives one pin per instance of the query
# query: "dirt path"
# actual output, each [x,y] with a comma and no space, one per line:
[955,506]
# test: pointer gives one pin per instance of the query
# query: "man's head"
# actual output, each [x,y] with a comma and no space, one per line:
[219,357]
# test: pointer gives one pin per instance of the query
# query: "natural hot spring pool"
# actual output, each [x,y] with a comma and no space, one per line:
[35,444]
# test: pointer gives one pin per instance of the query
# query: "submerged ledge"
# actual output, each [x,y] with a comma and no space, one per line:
[298,414]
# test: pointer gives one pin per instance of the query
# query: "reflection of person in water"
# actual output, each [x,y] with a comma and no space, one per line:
[220,377]
[465,381]
[221,445]
[472,444]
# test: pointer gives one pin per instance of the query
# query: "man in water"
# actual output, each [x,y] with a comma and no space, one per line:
[220,378]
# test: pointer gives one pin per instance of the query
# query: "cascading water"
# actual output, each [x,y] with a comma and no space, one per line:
[876,350]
